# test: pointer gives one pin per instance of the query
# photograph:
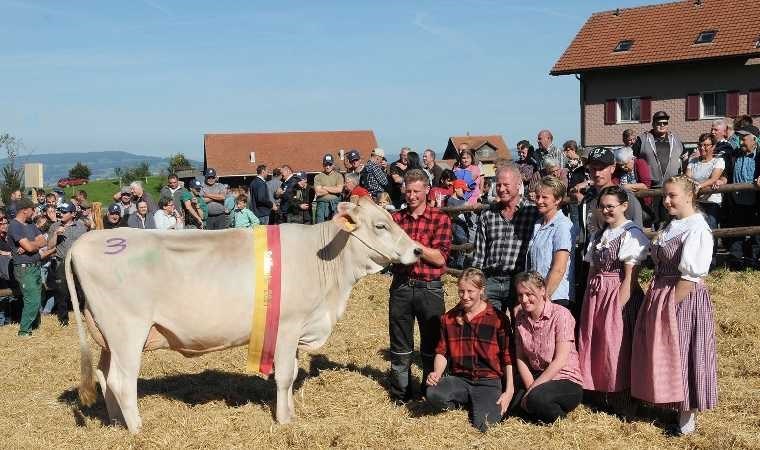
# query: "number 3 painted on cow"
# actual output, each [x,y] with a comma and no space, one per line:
[115,245]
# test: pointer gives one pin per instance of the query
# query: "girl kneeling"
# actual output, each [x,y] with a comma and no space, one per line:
[547,361]
[475,338]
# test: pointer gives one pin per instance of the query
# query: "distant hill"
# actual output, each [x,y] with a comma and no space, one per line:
[101,164]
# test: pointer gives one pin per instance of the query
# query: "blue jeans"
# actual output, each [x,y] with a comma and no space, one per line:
[499,292]
[326,209]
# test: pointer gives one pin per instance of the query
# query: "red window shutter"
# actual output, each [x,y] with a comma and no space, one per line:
[610,112]
[754,103]
[732,103]
[692,107]
[645,115]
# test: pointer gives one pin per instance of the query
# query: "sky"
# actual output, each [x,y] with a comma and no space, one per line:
[152,76]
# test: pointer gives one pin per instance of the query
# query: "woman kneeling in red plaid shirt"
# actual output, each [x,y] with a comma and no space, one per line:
[475,338]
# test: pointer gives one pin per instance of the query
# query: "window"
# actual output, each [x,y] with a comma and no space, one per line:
[713,105]
[706,37]
[623,46]
[629,110]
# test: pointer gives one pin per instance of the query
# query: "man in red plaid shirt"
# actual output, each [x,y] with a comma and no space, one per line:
[416,291]
[475,338]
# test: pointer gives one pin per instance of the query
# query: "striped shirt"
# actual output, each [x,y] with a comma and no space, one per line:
[537,340]
[501,244]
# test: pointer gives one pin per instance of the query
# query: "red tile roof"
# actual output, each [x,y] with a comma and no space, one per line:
[663,33]
[475,142]
[230,154]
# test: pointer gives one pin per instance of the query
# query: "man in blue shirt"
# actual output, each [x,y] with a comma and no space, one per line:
[743,166]
[27,240]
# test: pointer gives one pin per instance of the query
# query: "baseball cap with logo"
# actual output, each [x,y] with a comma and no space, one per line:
[353,155]
[114,209]
[67,207]
[210,173]
[195,184]
[601,156]
[328,160]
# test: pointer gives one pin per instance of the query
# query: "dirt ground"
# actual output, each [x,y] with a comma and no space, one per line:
[341,400]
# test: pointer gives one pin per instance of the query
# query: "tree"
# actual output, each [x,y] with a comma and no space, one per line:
[178,162]
[79,171]
[12,175]
[138,172]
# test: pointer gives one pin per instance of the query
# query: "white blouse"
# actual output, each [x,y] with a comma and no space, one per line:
[696,254]
[166,222]
[633,249]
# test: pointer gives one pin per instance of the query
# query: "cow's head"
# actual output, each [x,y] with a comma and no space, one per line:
[374,227]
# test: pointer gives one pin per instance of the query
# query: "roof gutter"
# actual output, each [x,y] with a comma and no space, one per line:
[582,100]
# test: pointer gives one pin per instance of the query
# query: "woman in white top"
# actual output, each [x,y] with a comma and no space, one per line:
[707,170]
[166,217]
[674,362]
[612,300]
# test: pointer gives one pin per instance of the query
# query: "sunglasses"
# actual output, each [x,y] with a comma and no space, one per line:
[661,124]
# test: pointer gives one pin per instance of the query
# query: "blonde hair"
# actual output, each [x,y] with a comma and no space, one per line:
[531,277]
[554,184]
[474,276]
[688,184]
[383,196]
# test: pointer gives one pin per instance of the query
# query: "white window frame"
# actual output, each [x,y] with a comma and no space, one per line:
[702,114]
[619,111]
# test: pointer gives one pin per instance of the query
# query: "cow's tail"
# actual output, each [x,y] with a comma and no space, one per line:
[87,391]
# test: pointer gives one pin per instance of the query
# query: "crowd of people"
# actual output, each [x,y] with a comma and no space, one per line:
[550,312]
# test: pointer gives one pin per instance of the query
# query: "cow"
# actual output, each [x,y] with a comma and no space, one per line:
[192,291]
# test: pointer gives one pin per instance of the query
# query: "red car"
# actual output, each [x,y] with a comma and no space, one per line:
[64,182]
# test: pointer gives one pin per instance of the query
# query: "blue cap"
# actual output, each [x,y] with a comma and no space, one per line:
[114,209]
[353,155]
[66,207]
[210,173]
[195,184]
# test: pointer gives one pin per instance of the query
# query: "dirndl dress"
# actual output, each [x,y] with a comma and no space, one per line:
[674,361]
[606,329]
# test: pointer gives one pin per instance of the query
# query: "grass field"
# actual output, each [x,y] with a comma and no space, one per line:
[341,401]
[103,190]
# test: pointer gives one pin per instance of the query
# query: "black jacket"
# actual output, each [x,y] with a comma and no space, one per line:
[259,197]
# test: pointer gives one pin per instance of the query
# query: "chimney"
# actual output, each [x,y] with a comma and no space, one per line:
[253,157]
[616,12]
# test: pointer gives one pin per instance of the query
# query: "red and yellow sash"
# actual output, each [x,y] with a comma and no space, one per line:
[266,298]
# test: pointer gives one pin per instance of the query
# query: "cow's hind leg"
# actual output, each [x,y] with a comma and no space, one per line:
[122,377]
[285,370]
[114,412]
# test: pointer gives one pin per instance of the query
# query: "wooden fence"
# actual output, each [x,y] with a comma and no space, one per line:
[718,233]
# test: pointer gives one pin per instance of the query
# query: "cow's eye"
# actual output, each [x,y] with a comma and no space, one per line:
[381,226]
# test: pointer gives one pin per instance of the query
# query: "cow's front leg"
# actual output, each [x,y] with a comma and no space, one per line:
[285,370]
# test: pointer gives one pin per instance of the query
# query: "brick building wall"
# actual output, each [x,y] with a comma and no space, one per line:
[668,86]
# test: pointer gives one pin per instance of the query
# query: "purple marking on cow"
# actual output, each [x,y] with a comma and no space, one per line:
[116,244]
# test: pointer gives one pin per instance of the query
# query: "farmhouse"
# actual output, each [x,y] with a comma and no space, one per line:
[236,155]
[488,149]
[698,60]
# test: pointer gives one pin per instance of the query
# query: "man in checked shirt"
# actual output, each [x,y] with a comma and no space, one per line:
[502,237]
[416,291]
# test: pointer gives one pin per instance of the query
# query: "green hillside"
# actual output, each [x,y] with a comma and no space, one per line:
[103,190]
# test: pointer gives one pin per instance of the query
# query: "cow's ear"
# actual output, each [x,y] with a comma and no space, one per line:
[345,218]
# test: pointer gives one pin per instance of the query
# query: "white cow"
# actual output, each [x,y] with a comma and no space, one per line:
[191,291]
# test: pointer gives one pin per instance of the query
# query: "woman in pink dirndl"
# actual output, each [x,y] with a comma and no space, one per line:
[612,300]
[674,361]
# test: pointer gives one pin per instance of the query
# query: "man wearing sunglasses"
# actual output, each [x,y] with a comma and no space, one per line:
[662,151]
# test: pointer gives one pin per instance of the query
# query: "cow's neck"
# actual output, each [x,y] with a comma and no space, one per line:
[343,261]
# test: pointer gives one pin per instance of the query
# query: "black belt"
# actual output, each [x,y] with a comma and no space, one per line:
[435,284]
[498,273]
